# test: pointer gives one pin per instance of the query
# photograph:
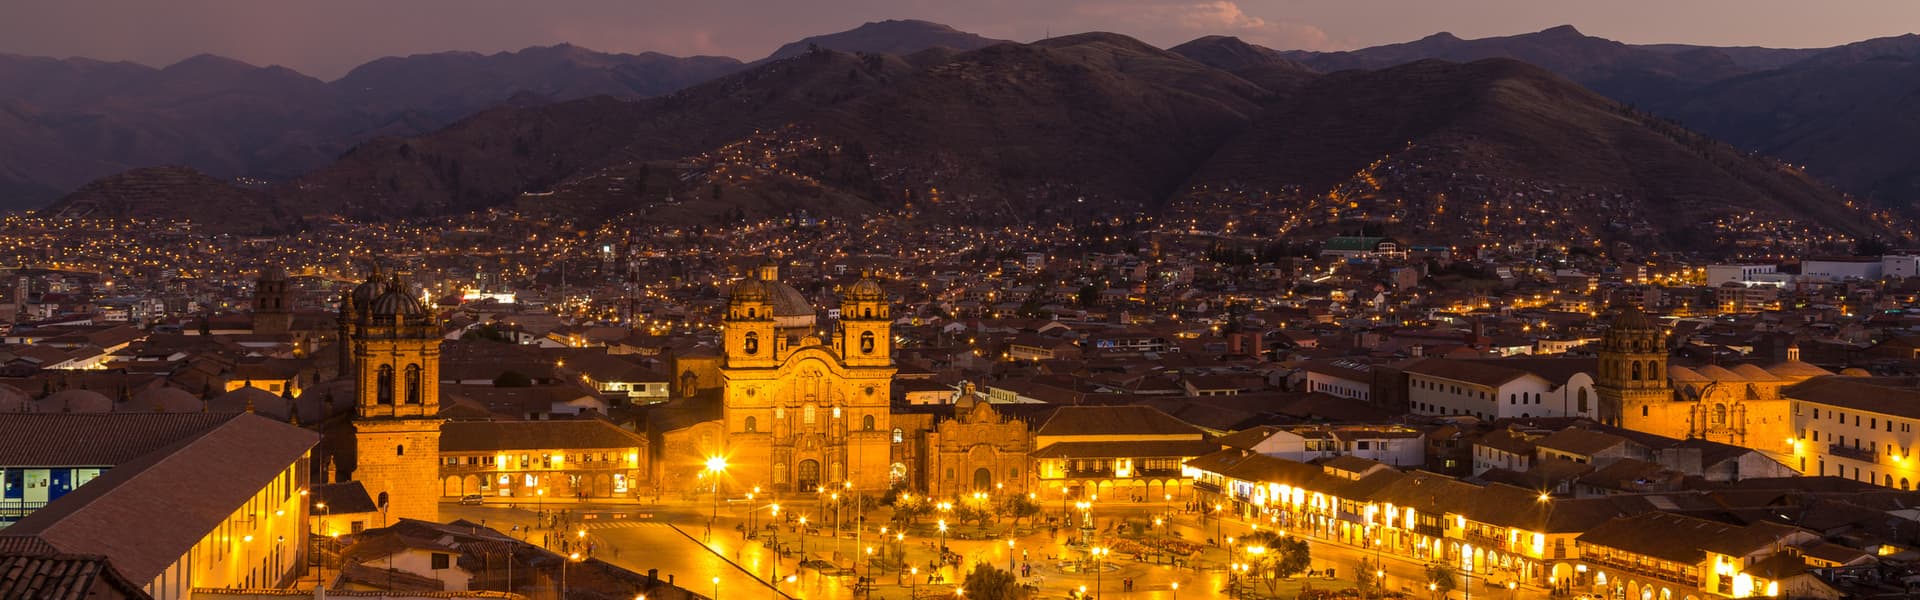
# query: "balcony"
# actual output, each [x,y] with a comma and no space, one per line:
[1484,540]
[1858,454]
[1613,564]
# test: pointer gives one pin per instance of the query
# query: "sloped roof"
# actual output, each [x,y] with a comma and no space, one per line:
[63,577]
[1114,420]
[489,436]
[142,515]
[95,439]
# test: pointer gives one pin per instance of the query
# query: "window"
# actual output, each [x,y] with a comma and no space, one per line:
[806,414]
[752,425]
[413,384]
[1636,370]
[1582,405]
[752,343]
[866,423]
[898,435]
[866,342]
[400,450]
[1643,411]
[440,561]
[383,385]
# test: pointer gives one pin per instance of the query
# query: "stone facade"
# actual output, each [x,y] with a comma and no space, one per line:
[799,412]
[396,360]
[979,450]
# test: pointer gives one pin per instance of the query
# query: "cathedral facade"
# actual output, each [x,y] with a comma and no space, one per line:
[801,412]
[1739,405]
[395,363]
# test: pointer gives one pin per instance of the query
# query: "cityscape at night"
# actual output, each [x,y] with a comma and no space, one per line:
[1087,300]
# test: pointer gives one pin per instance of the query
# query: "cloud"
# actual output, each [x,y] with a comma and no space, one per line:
[1167,22]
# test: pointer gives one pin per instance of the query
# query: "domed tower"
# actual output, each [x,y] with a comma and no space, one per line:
[749,332]
[272,305]
[396,358]
[1632,380]
[865,325]
[353,307]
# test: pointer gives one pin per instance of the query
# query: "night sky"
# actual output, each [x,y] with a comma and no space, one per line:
[324,38]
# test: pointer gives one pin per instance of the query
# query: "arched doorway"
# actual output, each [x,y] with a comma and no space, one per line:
[452,487]
[982,479]
[808,475]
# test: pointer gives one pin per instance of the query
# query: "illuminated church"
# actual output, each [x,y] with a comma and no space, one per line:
[1741,405]
[392,351]
[800,412]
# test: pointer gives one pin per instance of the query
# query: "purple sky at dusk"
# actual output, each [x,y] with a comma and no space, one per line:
[325,38]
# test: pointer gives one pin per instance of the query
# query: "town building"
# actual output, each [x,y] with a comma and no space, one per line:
[1120,453]
[396,367]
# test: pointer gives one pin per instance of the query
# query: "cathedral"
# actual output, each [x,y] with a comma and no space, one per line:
[1741,405]
[800,412]
[393,354]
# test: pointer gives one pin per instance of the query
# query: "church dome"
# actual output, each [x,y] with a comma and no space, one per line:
[788,302]
[397,302]
[866,290]
[1632,319]
[75,400]
[14,400]
[364,294]
[747,290]
[163,399]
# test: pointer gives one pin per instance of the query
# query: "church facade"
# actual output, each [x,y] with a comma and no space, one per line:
[1740,405]
[801,412]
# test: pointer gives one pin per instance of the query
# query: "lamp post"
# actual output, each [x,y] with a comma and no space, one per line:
[869,571]
[716,466]
[913,582]
[836,524]
[321,577]
[803,540]
[776,545]
[249,545]
[1097,552]
[563,573]
[539,505]
[716,589]
[1009,555]
[1176,590]
[943,540]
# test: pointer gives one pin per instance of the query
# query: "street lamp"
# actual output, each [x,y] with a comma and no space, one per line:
[539,506]
[943,540]
[913,582]
[563,573]
[803,539]
[249,545]
[1009,555]
[1097,553]
[716,466]
[716,588]
[776,544]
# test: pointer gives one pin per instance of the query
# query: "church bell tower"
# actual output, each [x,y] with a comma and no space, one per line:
[396,369]
[1632,382]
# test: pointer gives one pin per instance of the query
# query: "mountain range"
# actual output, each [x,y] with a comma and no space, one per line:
[914,115]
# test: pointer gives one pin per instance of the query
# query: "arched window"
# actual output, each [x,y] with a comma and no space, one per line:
[413,384]
[806,414]
[866,313]
[1636,370]
[1582,405]
[866,423]
[780,472]
[752,425]
[1719,414]
[750,313]
[898,435]
[1653,371]
[1643,411]
[752,344]
[866,342]
[400,450]
[383,385]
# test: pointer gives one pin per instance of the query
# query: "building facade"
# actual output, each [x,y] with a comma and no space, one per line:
[979,450]
[801,412]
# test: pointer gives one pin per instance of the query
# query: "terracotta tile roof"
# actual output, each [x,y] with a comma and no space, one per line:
[1479,372]
[95,439]
[1873,395]
[63,577]
[171,497]
[341,498]
[1114,420]
[1123,449]
[487,436]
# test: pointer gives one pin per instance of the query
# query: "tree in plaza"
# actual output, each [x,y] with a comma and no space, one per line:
[909,508]
[1020,507]
[1440,579]
[966,511]
[1364,579]
[1282,557]
[985,582]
